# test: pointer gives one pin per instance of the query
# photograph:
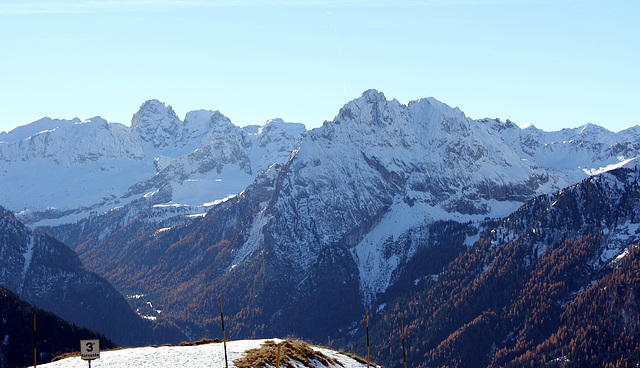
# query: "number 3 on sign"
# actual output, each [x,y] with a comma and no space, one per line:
[90,349]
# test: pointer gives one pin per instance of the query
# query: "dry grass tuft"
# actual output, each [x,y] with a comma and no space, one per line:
[65,356]
[290,350]
[199,342]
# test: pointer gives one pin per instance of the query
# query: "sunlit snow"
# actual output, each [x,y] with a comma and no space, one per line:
[209,355]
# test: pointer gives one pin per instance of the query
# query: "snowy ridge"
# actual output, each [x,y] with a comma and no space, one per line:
[73,143]
[208,355]
[25,131]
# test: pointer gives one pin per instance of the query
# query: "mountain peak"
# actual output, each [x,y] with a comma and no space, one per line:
[150,110]
[155,122]
[372,94]
[371,108]
[206,118]
[275,121]
[278,122]
[592,129]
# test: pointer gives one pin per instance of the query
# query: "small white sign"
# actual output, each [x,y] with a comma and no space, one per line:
[89,349]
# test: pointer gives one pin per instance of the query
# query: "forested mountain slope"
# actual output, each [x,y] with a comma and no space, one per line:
[54,336]
[554,283]
[47,273]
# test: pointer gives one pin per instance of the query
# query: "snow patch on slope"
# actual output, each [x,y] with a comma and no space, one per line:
[254,241]
[376,269]
[203,188]
[28,256]
[624,162]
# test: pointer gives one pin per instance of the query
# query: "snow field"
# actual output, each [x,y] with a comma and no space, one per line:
[209,355]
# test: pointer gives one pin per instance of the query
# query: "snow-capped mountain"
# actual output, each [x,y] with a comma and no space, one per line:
[342,218]
[320,223]
[380,170]
[58,171]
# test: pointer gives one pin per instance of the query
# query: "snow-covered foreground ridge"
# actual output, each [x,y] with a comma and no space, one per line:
[209,355]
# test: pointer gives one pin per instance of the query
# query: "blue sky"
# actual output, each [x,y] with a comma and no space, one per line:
[554,64]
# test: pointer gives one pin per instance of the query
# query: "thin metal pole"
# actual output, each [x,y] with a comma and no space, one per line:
[404,355]
[224,337]
[278,360]
[367,337]
[34,340]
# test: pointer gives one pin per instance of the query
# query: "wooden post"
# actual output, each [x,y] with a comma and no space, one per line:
[278,359]
[367,311]
[34,340]
[224,337]
[404,355]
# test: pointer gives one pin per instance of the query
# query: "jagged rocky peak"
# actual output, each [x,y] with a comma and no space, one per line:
[155,122]
[369,121]
[498,125]
[371,108]
[200,123]
[372,113]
